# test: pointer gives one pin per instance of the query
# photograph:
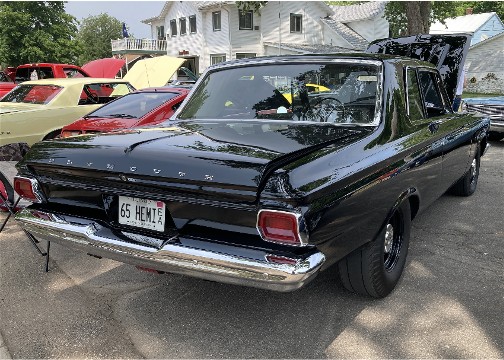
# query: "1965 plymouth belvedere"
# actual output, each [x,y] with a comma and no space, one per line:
[245,186]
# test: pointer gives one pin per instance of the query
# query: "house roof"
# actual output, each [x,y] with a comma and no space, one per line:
[309,49]
[486,41]
[358,12]
[461,24]
[354,39]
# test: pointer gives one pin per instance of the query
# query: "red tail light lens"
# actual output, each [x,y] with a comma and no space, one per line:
[28,189]
[279,226]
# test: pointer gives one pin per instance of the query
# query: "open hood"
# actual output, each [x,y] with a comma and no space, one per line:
[104,68]
[153,72]
[447,52]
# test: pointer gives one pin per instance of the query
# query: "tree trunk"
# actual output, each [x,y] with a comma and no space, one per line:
[418,15]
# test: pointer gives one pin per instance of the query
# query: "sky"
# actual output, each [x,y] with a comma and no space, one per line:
[129,12]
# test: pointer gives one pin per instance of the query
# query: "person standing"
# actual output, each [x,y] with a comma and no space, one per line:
[460,88]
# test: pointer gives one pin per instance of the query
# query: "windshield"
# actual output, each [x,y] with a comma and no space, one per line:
[32,94]
[134,105]
[343,92]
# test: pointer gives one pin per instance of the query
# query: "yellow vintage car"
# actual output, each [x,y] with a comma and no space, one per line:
[312,88]
[37,110]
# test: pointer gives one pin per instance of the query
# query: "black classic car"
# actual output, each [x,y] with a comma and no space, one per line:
[257,181]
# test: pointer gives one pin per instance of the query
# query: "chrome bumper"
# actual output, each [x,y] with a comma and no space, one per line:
[216,264]
[497,126]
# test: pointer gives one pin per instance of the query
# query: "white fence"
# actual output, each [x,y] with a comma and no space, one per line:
[138,45]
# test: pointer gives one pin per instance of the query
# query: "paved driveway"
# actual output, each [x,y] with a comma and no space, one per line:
[449,303]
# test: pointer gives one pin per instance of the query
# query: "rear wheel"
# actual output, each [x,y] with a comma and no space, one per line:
[376,268]
[466,185]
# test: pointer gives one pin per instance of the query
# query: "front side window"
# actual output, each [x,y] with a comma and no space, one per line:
[183,26]
[73,73]
[313,92]
[245,20]
[192,24]
[217,58]
[173,27]
[296,23]
[32,94]
[216,20]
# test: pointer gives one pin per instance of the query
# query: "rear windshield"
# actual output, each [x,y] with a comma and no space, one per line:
[32,94]
[344,92]
[31,73]
[134,105]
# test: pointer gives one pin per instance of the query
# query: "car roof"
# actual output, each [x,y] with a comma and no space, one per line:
[72,81]
[321,57]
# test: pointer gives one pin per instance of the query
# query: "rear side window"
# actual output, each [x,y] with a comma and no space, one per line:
[33,73]
[433,98]
[415,109]
[32,94]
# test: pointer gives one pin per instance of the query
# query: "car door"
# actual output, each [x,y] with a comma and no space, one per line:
[453,129]
[428,161]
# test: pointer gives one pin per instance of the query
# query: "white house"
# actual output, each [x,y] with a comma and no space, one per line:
[209,32]
[485,59]
[480,26]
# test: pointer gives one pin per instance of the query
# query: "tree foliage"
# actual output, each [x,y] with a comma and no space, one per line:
[94,37]
[255,6]
[414,17]
[36,31]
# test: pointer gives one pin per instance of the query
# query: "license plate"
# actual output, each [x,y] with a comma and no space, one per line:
[142,213]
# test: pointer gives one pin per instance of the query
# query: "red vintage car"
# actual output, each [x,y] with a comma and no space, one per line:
[143,107]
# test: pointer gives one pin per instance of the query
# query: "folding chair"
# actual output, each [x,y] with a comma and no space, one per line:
[14,152]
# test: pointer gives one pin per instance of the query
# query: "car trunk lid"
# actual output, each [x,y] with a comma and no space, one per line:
[448,52]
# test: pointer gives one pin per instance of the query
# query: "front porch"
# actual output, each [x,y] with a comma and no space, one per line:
[138,46]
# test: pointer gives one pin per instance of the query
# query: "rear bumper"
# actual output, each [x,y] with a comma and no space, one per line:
[216,262]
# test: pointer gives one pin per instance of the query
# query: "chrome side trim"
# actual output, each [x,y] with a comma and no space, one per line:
[216,264]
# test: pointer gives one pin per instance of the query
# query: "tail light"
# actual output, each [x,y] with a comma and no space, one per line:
[282,227]
[28,189]
[68,133]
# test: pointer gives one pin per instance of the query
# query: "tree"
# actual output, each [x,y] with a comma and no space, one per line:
[36,31]
[255,6]
[415,17]
[95,34]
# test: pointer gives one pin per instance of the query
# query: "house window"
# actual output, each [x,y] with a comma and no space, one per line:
[160,32]
[217,58]
[192,24]
[296,23]
[173,27]
[245,55]
[246,20]
[183,26]
[216,20]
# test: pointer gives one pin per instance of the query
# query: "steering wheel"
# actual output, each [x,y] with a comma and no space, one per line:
[326,109]
[92,96]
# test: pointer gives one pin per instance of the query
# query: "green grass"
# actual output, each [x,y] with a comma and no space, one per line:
[476,95]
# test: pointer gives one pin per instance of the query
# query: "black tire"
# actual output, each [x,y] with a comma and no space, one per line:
[375,269]
[466,185]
